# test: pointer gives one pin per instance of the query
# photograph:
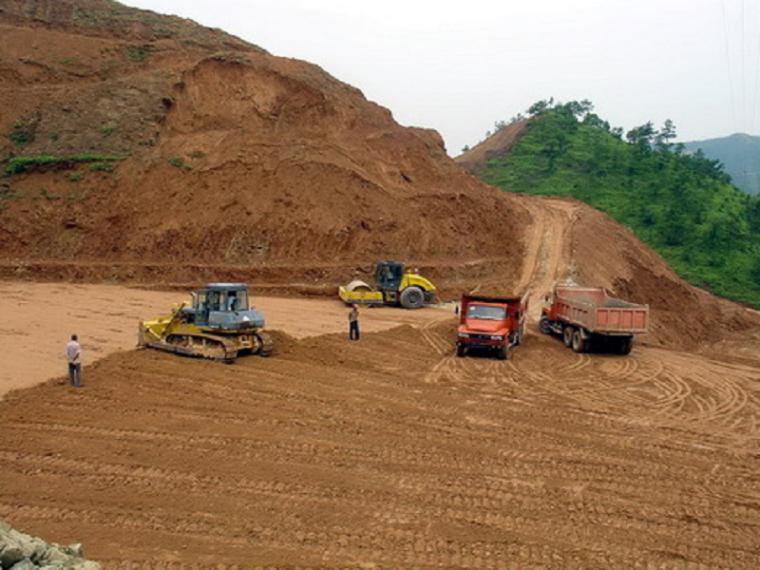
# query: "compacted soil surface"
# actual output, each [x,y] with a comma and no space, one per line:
[39,319]
[391,452]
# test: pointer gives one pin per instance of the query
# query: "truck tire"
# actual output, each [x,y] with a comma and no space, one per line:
[579,343]
[567,336]
[544,325]
[625,346]
[412,298]
[502,352]
[519,338]
[461,351]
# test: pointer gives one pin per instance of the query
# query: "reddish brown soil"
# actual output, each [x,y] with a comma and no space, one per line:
[233,156]
[390,452]
[385,453]
[498,144]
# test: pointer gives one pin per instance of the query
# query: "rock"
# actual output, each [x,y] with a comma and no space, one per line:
[74,549]
[54,555]
[10,556]
[19,551]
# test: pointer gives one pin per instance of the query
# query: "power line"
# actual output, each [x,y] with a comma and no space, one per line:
[728,63]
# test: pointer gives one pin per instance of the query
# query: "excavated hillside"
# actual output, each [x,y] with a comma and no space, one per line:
[500,143]
[226,155]
[174,154]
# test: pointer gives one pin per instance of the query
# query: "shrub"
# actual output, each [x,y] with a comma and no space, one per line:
[19,164]
[180,163]
[139,53]
[101,166]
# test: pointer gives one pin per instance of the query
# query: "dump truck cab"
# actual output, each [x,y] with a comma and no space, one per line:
[491,323]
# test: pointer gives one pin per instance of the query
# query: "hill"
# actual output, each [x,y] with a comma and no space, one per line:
[681,205]
[135,138]
[740,155]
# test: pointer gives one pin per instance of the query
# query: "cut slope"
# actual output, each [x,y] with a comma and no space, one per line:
[229,155]
[498,144]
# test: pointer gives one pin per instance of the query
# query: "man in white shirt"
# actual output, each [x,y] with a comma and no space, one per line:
[74,356]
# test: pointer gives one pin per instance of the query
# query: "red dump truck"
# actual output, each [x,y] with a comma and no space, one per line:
[491,323]
[586,318]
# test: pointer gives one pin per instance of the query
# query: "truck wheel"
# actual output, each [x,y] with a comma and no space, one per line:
[461,351]
[412,298]
[567,336]
[503,352]
[520,332]
[579,344]
[625,346]
[545,325]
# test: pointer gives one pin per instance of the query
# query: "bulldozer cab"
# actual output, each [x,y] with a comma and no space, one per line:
[388,275]
[219,302]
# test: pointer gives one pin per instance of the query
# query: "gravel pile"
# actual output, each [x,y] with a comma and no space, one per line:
[19,551]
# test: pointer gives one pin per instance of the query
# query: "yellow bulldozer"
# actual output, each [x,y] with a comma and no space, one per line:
[219,325]
[394,286]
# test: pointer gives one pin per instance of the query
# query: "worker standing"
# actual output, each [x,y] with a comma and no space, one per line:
[353,323]
[74,356]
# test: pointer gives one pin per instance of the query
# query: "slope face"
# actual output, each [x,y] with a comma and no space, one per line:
[226,155]
[498,144]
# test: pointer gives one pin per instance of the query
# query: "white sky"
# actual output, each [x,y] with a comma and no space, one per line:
[458,67]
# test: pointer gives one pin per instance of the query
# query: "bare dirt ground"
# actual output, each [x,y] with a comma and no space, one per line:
[39,319]
[392,453]
[385,453]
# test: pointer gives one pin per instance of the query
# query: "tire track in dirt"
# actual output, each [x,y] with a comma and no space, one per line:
[547,255]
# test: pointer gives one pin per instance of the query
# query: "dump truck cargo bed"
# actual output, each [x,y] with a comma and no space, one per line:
[595,311]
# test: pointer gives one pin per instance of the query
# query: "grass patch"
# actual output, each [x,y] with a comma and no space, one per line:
[52,196]
[196,154]
[107,130]
[178,162]
[22,133]
[102,167]
[139,53]
[19,164]
[74,176]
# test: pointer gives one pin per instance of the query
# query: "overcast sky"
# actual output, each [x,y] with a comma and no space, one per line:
[460,66]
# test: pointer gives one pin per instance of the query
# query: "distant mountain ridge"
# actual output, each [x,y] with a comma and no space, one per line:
[739,153]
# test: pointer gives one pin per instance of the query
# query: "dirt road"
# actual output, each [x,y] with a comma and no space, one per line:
[547,257]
